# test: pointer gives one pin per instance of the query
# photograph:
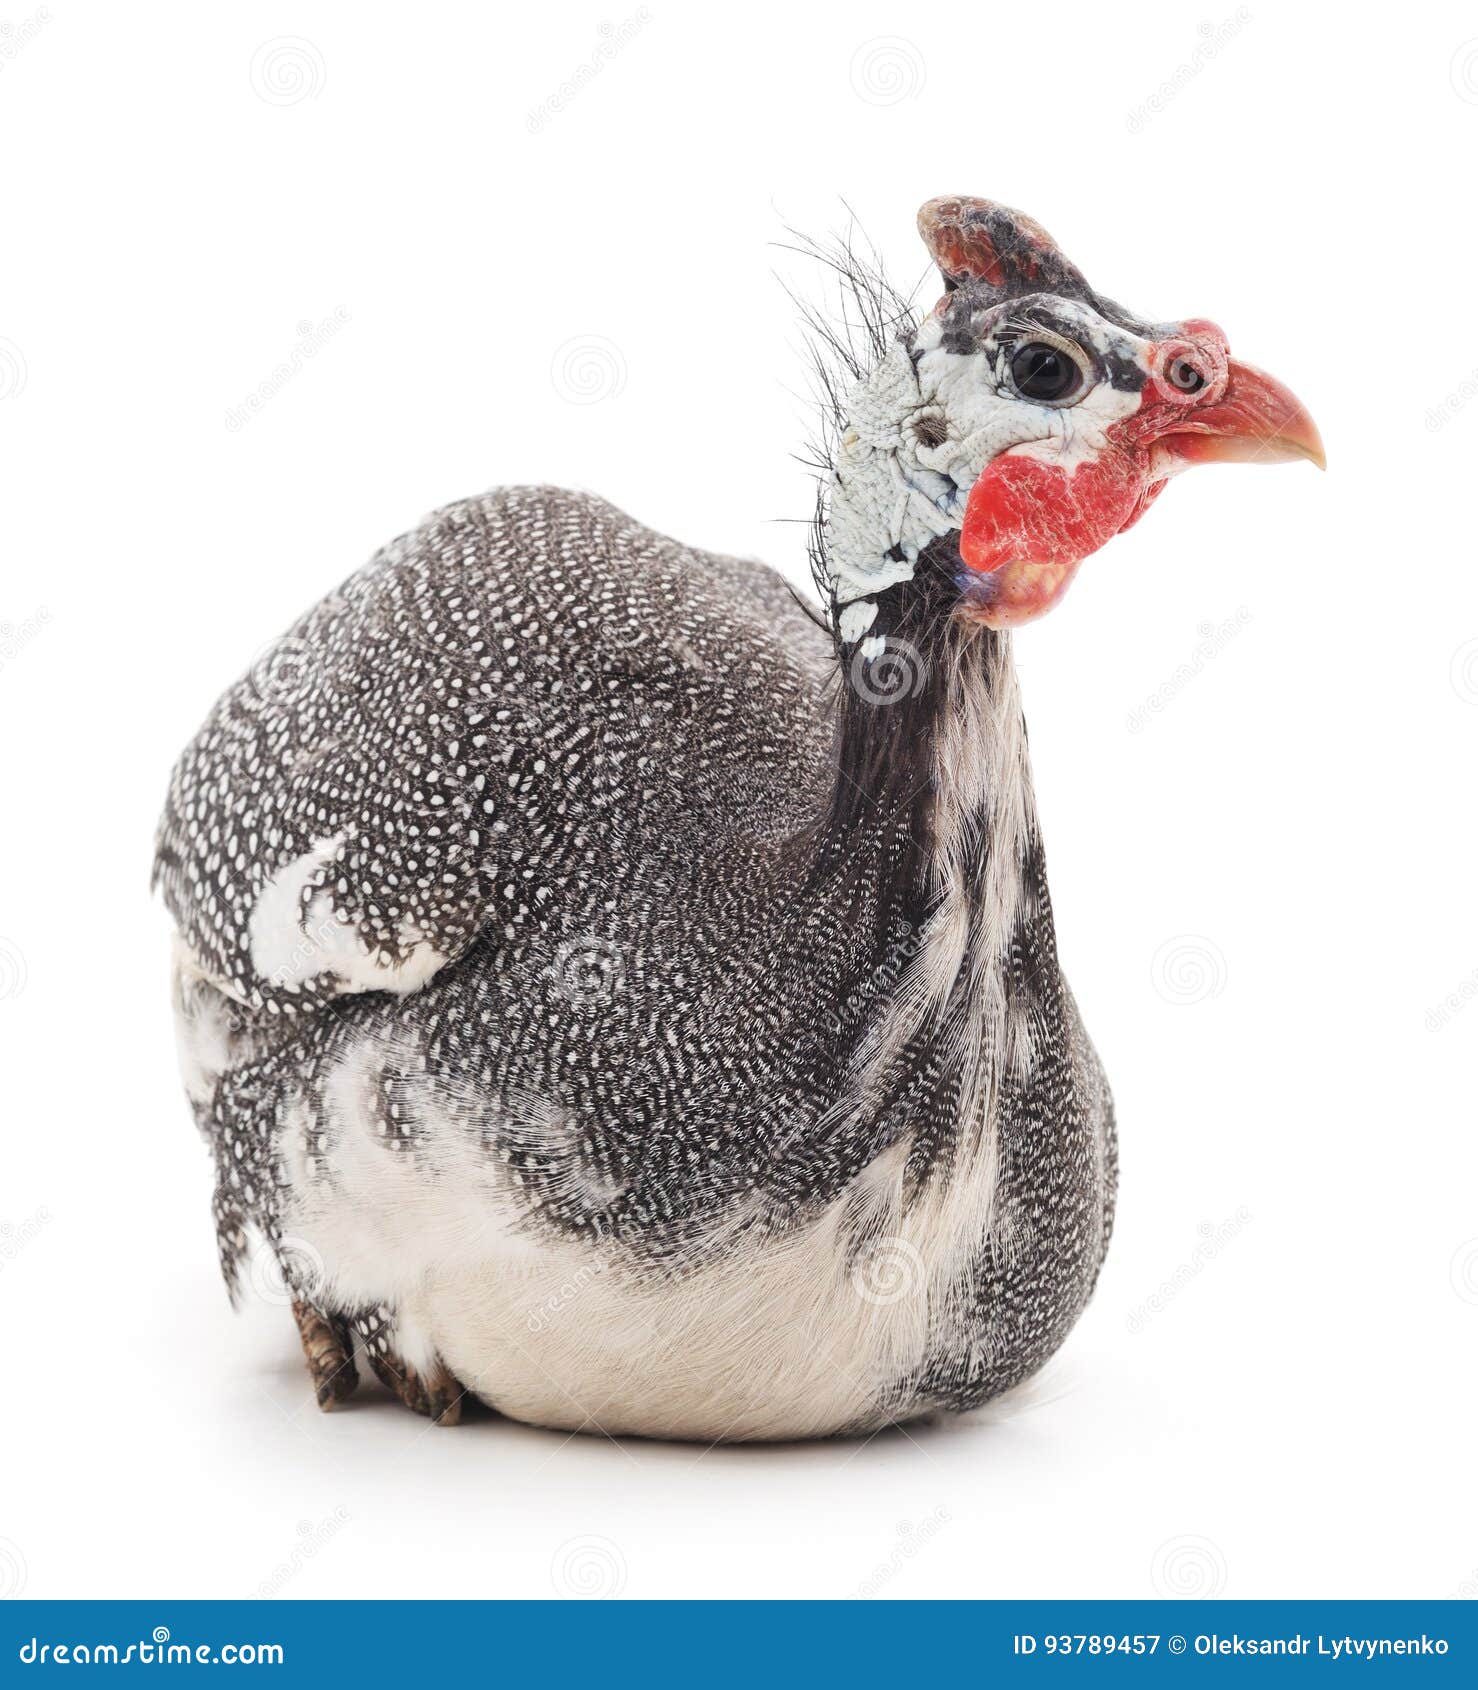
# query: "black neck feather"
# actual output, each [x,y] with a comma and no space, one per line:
[879,819]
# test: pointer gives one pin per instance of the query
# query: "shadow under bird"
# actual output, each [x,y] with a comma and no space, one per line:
[616,993]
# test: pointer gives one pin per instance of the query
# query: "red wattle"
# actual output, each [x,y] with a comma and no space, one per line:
[1029,524]
[1022,508]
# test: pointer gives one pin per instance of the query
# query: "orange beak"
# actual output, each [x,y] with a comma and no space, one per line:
[1256,421]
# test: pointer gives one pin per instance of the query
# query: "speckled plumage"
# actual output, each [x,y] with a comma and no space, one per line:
[586,766]
[610,985]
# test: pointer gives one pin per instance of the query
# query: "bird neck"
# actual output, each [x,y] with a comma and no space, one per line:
[931,795]
[930,840]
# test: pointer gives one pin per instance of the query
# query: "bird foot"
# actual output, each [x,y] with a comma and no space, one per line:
[437,1393]
[328,1344]
[330,1353]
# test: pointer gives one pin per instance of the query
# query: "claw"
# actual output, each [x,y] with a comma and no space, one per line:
[445,1398]
[330,1354]
[439,1395]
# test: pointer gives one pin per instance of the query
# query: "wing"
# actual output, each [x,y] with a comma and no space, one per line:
[475,718]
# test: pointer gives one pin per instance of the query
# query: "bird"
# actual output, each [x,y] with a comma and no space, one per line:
[619,990]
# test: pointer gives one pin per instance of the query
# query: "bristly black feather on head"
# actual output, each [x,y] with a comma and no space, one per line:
[888,707]
[845,340]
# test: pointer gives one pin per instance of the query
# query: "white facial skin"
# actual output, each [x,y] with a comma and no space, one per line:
[896,491]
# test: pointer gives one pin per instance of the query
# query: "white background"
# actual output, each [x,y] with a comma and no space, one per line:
[1265,892]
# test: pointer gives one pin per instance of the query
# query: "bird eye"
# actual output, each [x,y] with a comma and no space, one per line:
[1043,372]
[1184,375]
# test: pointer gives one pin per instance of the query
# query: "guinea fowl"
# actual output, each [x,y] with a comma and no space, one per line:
[613,990]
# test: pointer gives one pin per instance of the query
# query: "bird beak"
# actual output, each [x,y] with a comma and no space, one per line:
[1255,421]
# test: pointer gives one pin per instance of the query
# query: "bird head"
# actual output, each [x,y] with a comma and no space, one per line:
[1032,418]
